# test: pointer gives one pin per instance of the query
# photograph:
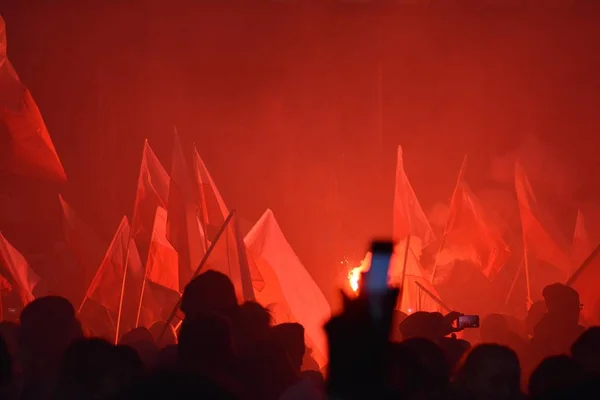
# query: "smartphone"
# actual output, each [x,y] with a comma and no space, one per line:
[376,277]
[468,321]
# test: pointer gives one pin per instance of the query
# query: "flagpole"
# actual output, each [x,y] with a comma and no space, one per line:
[452,200]
[583,266]
[200,266]
[433,297]
[526,263]
[514,282]
[406,249]
[139,311]
[247,289]
[117,330]
[92,283]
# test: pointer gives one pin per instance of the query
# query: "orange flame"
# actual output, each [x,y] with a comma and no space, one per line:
[354,278]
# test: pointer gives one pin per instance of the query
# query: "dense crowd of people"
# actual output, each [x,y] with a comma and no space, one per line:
[224,350]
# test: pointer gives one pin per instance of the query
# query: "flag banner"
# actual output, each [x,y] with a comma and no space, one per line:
[288,287]
[230,257]
[541,239]
[30,151]
[183,230]
[24,279]
[582,246]
[409,218]
[86,247]
[471,235]
[152,192]
[162,266]
[121,266]
[212,210]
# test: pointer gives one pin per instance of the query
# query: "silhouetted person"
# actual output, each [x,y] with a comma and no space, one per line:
[432,364]
[210,292]
[557,330]
[206,349]
[253,322]
[163,340]
[141,340]
[586,350]
[96,369]
[48,327]
[554,374]
[489,372]
[175,385]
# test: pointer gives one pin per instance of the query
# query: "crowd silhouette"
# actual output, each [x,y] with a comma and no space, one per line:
[224,350]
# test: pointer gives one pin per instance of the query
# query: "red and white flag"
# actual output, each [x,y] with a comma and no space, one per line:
[289,289]
[541,239]
[14,265]
[409,218]
[25,144]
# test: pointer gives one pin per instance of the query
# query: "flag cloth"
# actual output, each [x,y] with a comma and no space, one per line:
[229,256]
[287,284]
[86,247]
[14,265]
[183,230]
[105,289]
[27,148]
[162,266]
[409,218]
[471,235]
[152,192]
[413,297]
[161,289]
[582,247]
[541,239]
[212,208]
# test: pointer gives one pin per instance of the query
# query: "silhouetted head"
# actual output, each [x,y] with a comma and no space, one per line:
[163,340]
[489,372]
[432,363]
[586,350]
[209,292]
[205,342]
[555,373]
[421,324]
[95,369]
[291,337]
[562,301]
[141,340]
[48,327]
[253,322]
[175,385]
